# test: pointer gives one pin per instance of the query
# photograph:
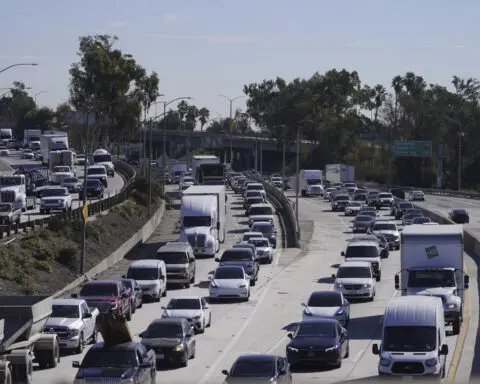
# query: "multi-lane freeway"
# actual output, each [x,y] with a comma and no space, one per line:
[115,183]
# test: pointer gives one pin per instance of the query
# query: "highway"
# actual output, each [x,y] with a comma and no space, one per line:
[115,184]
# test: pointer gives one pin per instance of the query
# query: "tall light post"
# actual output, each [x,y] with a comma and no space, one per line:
[18,65]
[297,187]
[231,101]
[36,94]
[460,135]
[164,158]
[150,158]
[85,208]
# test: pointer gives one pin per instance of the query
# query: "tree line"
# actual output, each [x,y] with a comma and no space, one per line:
[354,123]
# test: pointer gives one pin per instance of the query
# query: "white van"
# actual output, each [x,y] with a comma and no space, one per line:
[151,275]
[413,338]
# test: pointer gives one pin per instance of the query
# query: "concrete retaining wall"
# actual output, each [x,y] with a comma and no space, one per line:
[139,237]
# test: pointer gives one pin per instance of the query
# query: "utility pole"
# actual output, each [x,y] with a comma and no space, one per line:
[297,189]
[84,205]
[150,159]
[284,157]
[460,135]
[231,101]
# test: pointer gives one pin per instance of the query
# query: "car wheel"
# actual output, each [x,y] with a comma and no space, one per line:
[347,352]
[81,344]
[209,320]
[94,338]
[129,314]
[133,306]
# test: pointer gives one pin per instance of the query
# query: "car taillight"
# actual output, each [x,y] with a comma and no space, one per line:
[113,299]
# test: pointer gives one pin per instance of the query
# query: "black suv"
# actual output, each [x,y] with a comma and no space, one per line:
[94,188]
[399,193]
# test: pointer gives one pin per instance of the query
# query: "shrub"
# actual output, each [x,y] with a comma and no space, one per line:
[68,257]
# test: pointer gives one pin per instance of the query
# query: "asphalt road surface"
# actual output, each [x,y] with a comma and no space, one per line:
[115,184]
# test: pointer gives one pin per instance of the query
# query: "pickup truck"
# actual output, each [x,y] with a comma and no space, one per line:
[74,323]
[9,214]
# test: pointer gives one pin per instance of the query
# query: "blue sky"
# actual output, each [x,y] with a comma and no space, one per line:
[205,48]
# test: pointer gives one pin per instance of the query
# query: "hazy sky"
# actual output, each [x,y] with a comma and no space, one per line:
[205,48]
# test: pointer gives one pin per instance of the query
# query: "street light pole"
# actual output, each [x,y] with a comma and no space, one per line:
[284,155]
[231,101]
[297,189]
[36,94]
[84,227]
[164,158]
[18,65]
[460,135]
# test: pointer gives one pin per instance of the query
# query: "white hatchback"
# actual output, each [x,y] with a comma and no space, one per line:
[229,282]
[193,308]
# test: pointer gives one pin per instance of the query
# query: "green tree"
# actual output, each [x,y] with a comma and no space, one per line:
[203,116]
[182,109]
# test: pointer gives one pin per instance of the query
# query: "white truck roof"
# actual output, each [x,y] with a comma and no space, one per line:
[100,151]
[204,189]
[205,157]
[147,263]
[352,264]
[413,310]
[67,301]
[199,204]
[452,231]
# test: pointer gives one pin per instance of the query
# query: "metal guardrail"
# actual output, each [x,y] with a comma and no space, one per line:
[124,169]
[285,212]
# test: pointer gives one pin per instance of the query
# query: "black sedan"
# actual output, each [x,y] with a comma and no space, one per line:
[409,217]
[94,188]
[459,216]
[318,341]
[118,363]
[136,292]
[259,369]
[362,223]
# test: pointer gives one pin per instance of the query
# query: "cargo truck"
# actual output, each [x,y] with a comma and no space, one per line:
[311,182]
[210,174]
[5,135]
[339,173]
[202,159]
[52,141]
[61,165]
[22,337]
[203,218]
[431,261]
[31,139]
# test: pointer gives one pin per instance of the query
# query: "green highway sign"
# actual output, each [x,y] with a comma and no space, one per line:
[406,148]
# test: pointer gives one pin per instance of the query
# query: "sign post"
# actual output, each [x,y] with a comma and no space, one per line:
[85,212]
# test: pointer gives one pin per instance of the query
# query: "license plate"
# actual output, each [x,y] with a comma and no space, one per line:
[353,292]
[160,356]
[407,378]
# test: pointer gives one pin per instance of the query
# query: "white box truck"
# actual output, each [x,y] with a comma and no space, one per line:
[219,192]
[5,135]
[339,173]
[31,139]
[431,261]
[200,223]
[311,182]
[202,159]
[52,141]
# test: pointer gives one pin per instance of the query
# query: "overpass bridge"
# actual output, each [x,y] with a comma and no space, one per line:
[244,151]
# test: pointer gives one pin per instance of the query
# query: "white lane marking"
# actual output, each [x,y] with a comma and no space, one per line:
[237,337]
[276,345]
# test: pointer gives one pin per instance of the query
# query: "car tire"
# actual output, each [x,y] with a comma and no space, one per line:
[347,352]
[209,324]
[81,344]
[129,314]
[133,306]
[94,337]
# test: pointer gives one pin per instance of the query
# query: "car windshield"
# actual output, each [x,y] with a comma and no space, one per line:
[253,368]
[354,204]
[369,213]
[143,273]
[259,243]
[184,304]
[314,181]
[409,339]
[413,215]
[254,200]
[54,192]
[6,207]
[197,221]
[366,251]
[99,290]
[10,181]
[102,158]
[384,227]
[70,180]
[254,194]
[93,183]
[96,171]
[265,229]
[459,212]
[315,329]
[236,255]
[255,187]
[431,279]
[115,358]
[173,257]
[65,311]
[229,273]
[421,220]
[341,197]
[385,195]
[261,211]
[325,299]
[160,330]
[354,273]
[363,218]
[61,169]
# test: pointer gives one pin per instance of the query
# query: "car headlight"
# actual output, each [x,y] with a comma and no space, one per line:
[243,285]
[338,285]
[179,348]
[197,317]
[385,362]
[431,362]
[451,306]
[292,349]
[74,332]
[331,349]
[367,285]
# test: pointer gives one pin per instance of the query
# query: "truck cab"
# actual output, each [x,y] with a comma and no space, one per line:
[13,189]
[103,157]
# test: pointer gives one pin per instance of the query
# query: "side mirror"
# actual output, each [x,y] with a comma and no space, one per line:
[290,335]
[146,364]
[141,334]
[217,259]
[75,364]
[375,349]
[333,276]
[342,253]
[206,306]
[210,277]
[163,307]
[124,276]
[87,316]
[225,372]
[444,350]
[397,282]
[74,295]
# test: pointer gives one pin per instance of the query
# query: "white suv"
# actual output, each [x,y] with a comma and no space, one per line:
[355,279]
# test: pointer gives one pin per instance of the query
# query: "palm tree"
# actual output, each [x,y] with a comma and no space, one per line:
[191,117]
[203,116]
[182,111]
